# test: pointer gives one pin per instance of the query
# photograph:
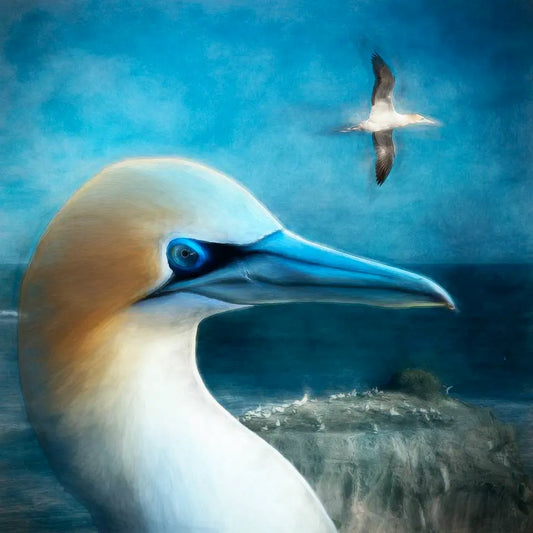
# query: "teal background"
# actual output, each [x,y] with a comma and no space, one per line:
[254,88]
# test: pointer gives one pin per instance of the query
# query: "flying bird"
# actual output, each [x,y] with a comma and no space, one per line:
[384,119]
[109,311]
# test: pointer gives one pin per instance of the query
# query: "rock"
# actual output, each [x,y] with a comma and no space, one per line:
[397,462]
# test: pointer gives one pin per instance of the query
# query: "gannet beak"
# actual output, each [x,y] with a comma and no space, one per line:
[283,267]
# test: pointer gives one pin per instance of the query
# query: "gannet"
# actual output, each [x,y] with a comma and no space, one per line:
[109,310]
[384,119]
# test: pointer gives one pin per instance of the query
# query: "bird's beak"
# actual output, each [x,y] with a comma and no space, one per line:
[282,267]
[432,121]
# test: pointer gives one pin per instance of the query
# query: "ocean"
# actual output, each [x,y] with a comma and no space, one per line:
[482,354]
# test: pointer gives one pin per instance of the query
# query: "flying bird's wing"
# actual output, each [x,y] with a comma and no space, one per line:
[384,148]
[384,83]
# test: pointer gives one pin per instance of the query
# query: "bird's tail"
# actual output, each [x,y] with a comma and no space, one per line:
[349,128]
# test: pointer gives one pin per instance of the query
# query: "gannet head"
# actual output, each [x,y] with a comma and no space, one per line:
[415,118]
[147,229]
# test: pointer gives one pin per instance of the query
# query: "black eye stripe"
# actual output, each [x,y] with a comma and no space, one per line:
[197,258]
[214,255]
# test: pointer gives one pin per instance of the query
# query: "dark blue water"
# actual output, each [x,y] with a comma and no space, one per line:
[261,355]
[485,350]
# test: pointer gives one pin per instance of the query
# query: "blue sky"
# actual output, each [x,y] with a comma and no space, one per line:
[253,87]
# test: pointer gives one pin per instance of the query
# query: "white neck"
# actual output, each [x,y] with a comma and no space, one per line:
[188,465]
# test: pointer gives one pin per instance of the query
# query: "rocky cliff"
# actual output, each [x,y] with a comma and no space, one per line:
[403,460]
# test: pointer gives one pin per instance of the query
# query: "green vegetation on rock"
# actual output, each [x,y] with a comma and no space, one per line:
[417,383]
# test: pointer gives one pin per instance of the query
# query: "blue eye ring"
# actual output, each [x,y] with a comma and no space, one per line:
[186,255]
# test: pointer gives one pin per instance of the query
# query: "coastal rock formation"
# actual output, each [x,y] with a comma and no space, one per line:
[403,462]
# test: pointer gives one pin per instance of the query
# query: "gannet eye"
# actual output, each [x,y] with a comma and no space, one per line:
[186,255]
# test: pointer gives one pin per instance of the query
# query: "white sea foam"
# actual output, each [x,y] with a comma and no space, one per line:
[8,313]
